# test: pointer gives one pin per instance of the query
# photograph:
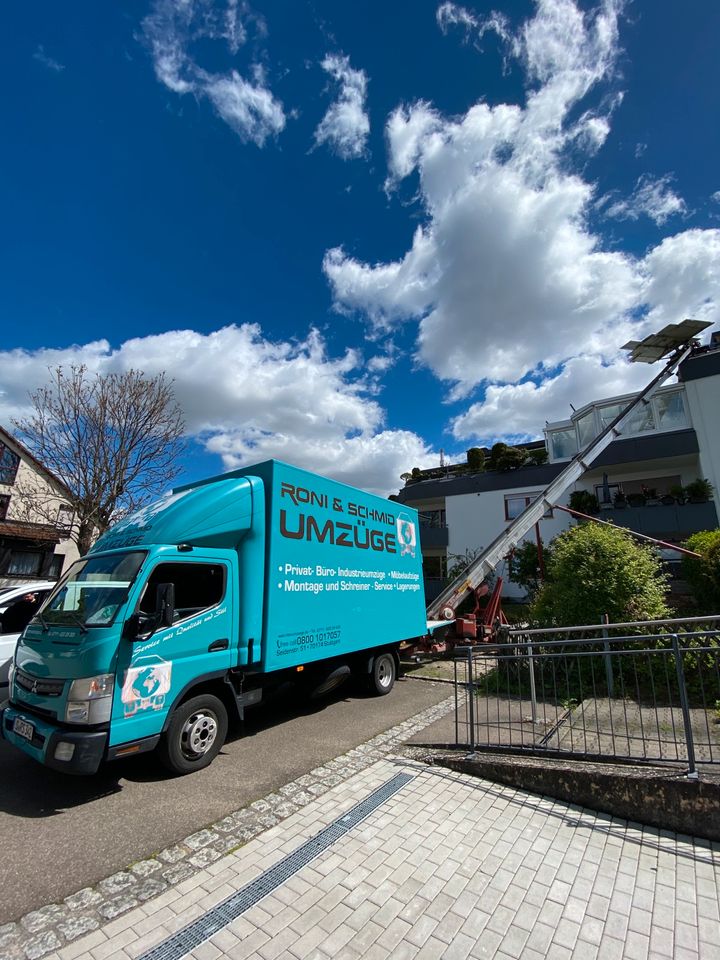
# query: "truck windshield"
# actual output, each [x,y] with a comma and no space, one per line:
[93,591]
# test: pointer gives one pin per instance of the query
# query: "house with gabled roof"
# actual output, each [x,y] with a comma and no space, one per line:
[36,517]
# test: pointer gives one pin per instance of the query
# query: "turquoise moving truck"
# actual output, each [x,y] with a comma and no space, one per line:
[193,608]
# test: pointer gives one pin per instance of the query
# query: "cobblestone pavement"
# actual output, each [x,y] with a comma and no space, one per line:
[46,930]
[448,866]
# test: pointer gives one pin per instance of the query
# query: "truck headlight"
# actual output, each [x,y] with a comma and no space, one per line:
[90,699]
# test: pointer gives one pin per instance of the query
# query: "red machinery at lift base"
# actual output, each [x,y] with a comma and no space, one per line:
[480,626]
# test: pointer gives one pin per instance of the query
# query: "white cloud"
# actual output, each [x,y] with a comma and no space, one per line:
[505,277]
[520,410]
[653,198]
[47,61]
[249,108]
[346,125]
[248,398]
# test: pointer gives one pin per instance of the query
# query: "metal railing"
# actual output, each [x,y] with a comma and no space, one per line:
[642,692]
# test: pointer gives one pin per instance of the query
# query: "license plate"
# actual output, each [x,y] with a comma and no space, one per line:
[23,729]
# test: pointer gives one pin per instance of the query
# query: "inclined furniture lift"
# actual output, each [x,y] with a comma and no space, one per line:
[446,628]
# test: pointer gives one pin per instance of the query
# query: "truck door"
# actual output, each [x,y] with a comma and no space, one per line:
[162,662]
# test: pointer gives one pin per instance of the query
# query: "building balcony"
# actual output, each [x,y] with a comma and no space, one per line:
[665,522]
[433,536]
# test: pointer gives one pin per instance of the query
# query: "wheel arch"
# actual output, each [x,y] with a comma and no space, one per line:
[216,684]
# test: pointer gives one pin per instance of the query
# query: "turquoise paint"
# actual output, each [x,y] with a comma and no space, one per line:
[313,569]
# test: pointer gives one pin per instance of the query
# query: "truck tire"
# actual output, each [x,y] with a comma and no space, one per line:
[382,675]
[196,733]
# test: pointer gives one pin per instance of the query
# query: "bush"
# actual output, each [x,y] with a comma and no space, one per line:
[584,502]
[538,456]
[703,573]
[523,567]
[510,458]
[476,459]
[594,570]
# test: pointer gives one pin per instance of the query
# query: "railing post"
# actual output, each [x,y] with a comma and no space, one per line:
[533,694]
[685,706]
[471,701]
[608,659]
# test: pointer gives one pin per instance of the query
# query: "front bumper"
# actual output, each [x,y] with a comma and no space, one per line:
[88,745]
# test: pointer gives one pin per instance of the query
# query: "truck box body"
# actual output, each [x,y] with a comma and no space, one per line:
[272,569]
[343,569]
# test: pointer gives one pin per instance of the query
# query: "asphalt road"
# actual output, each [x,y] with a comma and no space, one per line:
[59,834]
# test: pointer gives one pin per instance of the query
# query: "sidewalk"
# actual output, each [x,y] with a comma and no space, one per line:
[446,865]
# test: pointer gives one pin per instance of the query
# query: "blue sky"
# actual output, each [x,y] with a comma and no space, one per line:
[355,234]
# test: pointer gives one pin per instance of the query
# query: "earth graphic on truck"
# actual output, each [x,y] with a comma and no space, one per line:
[406,534]
[146,683]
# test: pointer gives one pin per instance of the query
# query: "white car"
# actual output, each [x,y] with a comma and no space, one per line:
[18,605]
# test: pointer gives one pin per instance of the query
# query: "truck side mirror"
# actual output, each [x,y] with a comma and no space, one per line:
[165,604]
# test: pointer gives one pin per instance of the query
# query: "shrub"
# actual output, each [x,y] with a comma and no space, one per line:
[523,567]
[593,570]
[703,573]
[476,459]
[538,456]
[584,502]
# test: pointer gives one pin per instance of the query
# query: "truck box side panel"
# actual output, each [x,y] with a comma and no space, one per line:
[344,569]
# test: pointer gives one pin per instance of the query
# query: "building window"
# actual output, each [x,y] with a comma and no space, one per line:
[586,429]
[64,518]
[432,518]
[25,563]
[515,503]
[4,504]
[563,444]
[9,462]
[670,411]
[435,568]
[55,567]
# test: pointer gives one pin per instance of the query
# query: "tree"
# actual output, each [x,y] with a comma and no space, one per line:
[113,440]
[524,567]
[703,573]
[595,570]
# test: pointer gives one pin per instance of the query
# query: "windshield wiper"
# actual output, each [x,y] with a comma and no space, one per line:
[79,622]
[43,622]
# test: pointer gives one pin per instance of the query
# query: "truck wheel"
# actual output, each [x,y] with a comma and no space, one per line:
[196,733]
[382,675]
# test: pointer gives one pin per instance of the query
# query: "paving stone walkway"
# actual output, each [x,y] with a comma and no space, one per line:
[448,866]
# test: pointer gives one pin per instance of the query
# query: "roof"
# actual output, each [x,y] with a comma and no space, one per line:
[11,441]
[530,476]
[20,530]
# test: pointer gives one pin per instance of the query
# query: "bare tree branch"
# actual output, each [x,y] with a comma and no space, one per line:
[113,440]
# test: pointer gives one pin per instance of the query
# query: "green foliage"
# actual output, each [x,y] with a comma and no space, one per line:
[476,459]
[584,502]
[538,456]
[415,473]
[594,570]
[699,489]
[510,458]
[523,567]
[703,573]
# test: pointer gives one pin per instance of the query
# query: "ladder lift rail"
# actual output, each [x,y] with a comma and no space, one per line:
[447,602]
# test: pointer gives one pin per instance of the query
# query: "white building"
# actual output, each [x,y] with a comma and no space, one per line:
[671,442]
[36,519]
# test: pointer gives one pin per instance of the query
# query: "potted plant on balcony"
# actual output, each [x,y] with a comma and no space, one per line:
[699,491]
[584,502]
[677,492]
[636,499]
[667,499]
[619,501]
